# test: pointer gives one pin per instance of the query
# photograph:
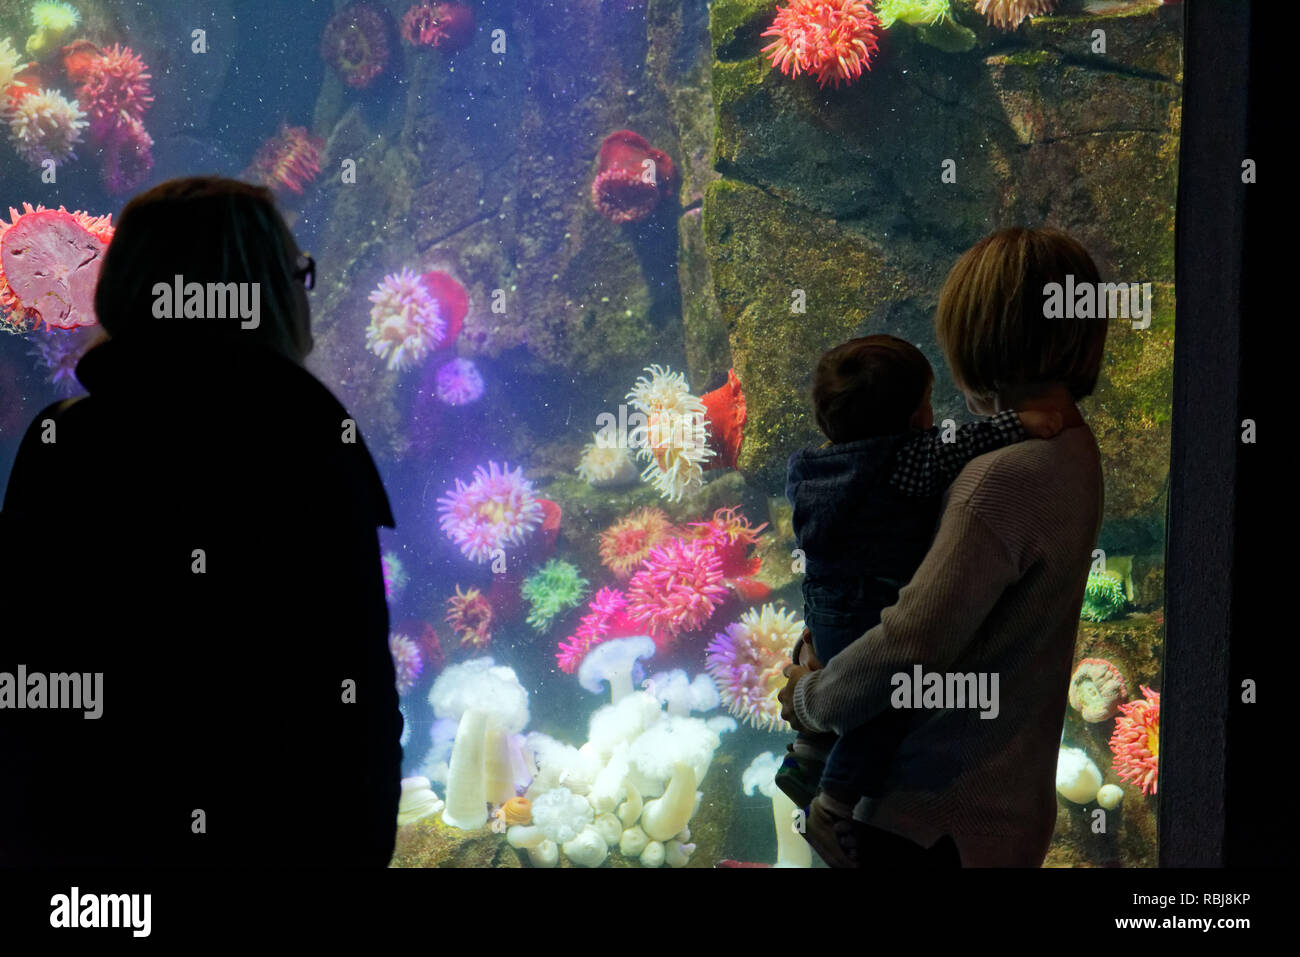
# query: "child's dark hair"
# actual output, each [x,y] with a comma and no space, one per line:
[868,387]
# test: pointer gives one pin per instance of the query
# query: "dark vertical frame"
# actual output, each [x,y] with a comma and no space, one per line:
[1206,428]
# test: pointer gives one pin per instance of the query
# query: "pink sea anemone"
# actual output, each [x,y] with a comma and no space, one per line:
[1097,689]
[470,615]
[632,178]
[289,160]
[678,587]
[44,125]
[115,91]
[607,619]
[629,541]
[49,265]
[833,40]
[355,43]
[459,382]
[495,511]
[1008,14]
[448,27]
[407,661]
[1136,741]
[747,660]
[406,323]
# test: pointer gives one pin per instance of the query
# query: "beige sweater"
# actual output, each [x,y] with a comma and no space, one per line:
[999,592]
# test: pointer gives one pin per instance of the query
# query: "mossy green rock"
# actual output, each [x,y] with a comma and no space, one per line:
[1031,126]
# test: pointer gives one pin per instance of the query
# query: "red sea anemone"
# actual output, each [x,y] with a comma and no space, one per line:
[725,407]
[355,43]
[1136,741]
[678,587]
[453,303]
[49,264]
[628,542]
[833,40]
[470,615]
[632,178]
[444,26]
[731,536]
[115,92]
[78,58]
[289,160]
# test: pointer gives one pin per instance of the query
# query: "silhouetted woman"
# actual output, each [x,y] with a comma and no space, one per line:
[202,530]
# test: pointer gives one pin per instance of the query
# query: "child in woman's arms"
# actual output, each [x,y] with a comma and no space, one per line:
[865,509]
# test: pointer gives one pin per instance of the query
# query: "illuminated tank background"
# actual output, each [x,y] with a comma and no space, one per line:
[480,165]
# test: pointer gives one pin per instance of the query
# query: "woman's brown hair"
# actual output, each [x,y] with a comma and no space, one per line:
[991,321]
[208,230]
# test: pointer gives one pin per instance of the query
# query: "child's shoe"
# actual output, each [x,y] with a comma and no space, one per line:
[800,775]
[831,831]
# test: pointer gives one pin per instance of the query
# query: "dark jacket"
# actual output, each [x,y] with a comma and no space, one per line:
[849,521]
[199,532]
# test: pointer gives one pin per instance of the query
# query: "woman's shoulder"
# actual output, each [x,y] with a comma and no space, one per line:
[1037,477]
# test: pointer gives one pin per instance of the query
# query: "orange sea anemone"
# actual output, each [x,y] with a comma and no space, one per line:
[626,543]
[517,810]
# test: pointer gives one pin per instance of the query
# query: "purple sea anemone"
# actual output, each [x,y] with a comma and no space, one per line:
[497,509]
[459,383]
[407,662]
[747,662]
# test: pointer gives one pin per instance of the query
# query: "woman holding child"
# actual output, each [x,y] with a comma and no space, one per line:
[997,595]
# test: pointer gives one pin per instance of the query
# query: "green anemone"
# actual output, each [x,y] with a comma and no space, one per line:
[553,588]
[914,13]
[1103,598]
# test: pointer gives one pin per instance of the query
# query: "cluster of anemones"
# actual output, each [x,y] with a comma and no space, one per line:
[496,510]
[289,160]
[1135,741]
[747,661]
[832,40]
[115,91]
[470,615]
[677,436]
[406,322]
[629,541]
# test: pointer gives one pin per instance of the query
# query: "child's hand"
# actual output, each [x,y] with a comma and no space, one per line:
[1041,425]
[807,656]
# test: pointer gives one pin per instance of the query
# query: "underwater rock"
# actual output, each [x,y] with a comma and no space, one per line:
[430,843]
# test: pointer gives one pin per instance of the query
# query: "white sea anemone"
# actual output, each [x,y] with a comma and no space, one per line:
[45,125]
[677,434]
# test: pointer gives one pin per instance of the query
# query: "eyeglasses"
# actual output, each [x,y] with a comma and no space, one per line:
[305,270]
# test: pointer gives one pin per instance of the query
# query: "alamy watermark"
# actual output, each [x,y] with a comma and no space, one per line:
[933,690]
[1103,300]
[36,691]
[662,430]
[179,299]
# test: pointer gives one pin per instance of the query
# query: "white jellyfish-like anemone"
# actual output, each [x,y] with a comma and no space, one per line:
[622,723]
[655,754]
[491,706]
[559,815]
[681,695]
[1077,777]
[417,801]
[614,662]
[559,764]
[791,849]
[607,464]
